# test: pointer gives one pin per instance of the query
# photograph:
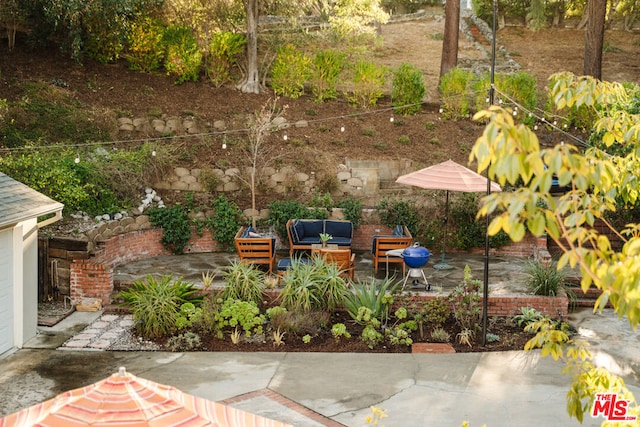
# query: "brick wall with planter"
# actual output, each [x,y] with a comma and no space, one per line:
[509,305]
[93,277]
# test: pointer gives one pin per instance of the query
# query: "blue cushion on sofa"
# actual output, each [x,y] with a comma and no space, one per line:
[312,227]
[310,240]
[339,228]
[297,231]
[340,241]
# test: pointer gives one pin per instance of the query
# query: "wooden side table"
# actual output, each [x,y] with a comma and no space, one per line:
[315,248]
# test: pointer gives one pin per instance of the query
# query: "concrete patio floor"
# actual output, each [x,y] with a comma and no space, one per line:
[506,273]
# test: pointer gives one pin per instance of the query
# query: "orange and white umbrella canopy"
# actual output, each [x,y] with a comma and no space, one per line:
[126,400]
[450,176]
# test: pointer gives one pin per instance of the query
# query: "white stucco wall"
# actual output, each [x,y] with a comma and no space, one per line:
[29,280]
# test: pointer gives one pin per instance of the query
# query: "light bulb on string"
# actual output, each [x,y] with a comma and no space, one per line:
[77,159]
[440,110]
[153,153]
[391,119]
[285,137]
[342,128]
[555,122]
[515,112]
[535,127]
[564,126]
[224,145]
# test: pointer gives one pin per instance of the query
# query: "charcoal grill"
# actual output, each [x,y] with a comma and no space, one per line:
[415,258]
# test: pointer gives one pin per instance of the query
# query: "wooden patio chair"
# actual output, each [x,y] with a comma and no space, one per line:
[256,250]
[343,258]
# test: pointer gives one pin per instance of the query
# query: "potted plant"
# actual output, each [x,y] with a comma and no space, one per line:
[324,238]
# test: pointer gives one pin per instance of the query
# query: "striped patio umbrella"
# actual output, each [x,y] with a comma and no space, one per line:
[448,176]
[126,400]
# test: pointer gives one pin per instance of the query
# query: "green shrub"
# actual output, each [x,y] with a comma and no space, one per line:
[155,305]
[326,68]
[399,212]
[466,303]
[146,50]
[235,313]
[469,231]
[480,88]
[175,225]
[291,69]
[224,50]
[244,282]
[183,57]
[352,210]
[454,92]
[527,316]
[225,222]
[368,83]
[282,211]
[408,89]
[50,174]
[437,311]
[521,87]
[543,279]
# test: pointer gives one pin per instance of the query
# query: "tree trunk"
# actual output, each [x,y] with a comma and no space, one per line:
[251,82]
[594,38]
[450,38]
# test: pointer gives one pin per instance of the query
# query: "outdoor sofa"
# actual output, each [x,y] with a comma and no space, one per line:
[303,233]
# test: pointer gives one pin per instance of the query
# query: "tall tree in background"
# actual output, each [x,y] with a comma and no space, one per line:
[251,81]
[450,38]
[594,38]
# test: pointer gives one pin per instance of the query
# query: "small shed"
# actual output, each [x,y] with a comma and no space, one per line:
[23,211]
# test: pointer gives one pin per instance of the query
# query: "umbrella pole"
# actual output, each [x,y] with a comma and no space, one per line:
[443,265]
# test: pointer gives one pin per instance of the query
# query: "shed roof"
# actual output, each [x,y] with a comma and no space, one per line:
[19,202]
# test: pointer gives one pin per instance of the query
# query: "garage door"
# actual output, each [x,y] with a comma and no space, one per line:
[6,292]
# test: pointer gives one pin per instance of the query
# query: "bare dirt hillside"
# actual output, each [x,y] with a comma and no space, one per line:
[423,139]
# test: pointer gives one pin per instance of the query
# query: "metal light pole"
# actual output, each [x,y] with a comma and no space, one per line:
[485,289]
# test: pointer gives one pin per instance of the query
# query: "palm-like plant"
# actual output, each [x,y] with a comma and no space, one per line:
[155,304]
[244,282]
[370,295]
[313,286]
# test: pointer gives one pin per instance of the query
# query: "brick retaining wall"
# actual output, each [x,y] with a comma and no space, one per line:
[93,278]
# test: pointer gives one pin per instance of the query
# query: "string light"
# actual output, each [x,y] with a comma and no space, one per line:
[285,137]
[153,153]
[543,120]
[77,160]
[224,145]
